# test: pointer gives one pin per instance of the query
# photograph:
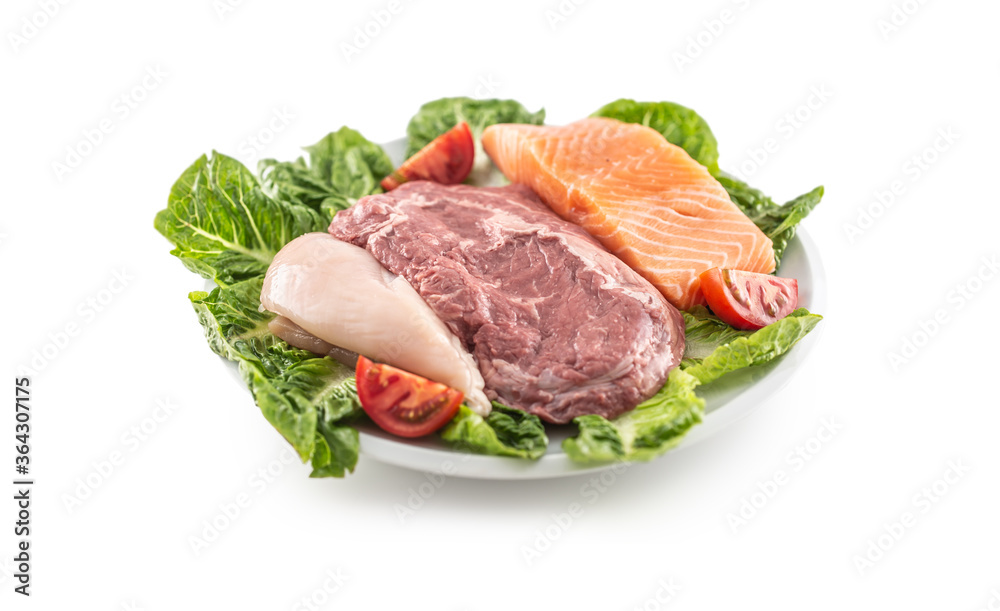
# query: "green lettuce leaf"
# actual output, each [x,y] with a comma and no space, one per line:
[223,226]
[653,427]
[437,117]
[713,349]
[336,452]
[343,167]
[310,400]
[237,330]
[504,432]
[292,415]
[678,124]
[753,348]
[309,404]
[776,221]
[704,332]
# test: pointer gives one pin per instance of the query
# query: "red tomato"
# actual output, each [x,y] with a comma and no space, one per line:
[403,403]
[446,160]
[747,300]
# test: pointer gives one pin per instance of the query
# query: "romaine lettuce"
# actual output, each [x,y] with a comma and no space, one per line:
[310,400]
[777,222]
[752,348]
[236,329]
[679,125]
[342,167]
[658,424]
[504,432]
[311,404]
[222,224]
[437,117]
[653,427]
[703,333]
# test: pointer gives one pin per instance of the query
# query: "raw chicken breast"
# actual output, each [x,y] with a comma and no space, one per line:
[339,293]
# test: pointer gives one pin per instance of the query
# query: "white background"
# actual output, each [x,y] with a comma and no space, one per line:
[227,73]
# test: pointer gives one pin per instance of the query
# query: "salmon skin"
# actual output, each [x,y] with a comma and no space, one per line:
[642,197]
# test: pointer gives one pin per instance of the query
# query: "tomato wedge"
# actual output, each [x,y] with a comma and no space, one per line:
[446,160]
[747,300]
[403,403]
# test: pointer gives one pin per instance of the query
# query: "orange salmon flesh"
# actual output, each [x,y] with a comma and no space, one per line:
[642,197]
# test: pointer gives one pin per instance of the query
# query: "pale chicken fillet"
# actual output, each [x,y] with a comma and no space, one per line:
[340,294]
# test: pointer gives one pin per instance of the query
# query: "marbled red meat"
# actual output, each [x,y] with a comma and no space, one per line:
[558,325]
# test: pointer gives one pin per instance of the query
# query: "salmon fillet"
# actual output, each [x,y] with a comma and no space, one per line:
[642,197]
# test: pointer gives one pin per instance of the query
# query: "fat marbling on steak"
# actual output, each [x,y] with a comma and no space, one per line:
[558,325]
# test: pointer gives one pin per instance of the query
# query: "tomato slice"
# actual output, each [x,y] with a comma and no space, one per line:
[446,160]
[747,300]
[403,403]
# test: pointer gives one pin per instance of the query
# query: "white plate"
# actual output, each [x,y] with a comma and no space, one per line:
[726,400]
